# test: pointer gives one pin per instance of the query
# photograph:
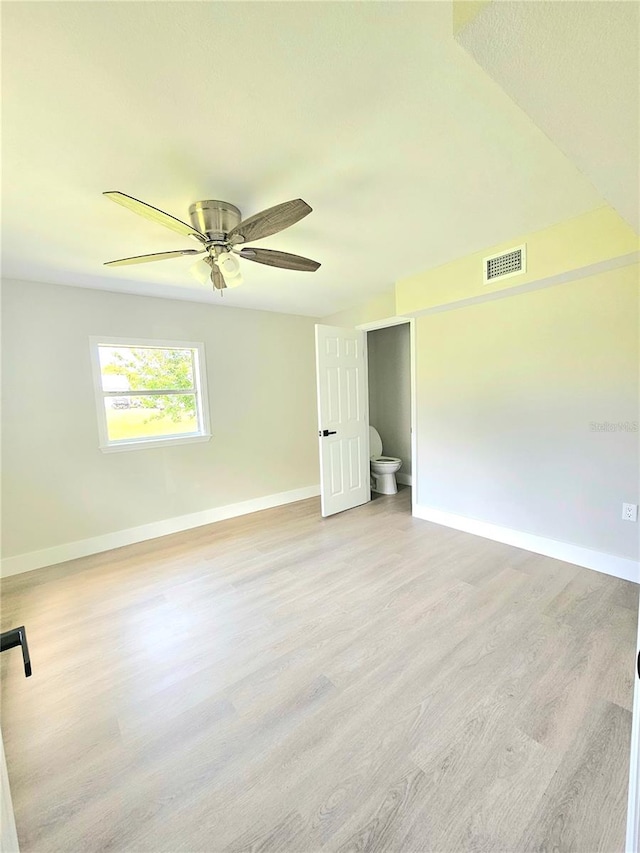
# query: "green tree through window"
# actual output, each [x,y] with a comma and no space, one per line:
[151,369]
[149,392]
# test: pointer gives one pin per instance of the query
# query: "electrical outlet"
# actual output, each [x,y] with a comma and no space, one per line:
[630,512]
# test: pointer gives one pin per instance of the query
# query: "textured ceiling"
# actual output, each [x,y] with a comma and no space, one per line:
[409,154]
[575,69]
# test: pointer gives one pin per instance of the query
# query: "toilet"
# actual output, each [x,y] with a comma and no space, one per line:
[383,468]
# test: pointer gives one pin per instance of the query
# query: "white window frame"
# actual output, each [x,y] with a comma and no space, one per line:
[200,388]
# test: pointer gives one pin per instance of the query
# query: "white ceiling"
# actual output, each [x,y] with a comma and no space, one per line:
[574,68]
[409,154]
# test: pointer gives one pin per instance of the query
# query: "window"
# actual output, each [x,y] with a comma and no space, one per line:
[149,393]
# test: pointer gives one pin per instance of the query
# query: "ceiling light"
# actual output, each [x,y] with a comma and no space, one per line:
[199,271]
[229,266]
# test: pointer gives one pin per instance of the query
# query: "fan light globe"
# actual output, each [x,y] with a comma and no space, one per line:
[229,266]
[228,263]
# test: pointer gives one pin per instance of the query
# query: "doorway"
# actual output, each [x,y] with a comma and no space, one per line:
[343,413]
[390,388]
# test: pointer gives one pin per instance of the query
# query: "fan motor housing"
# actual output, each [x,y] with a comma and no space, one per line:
[214,218]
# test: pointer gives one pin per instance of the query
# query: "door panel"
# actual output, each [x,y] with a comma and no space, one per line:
[341,372]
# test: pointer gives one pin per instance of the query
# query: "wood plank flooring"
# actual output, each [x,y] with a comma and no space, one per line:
[283,682]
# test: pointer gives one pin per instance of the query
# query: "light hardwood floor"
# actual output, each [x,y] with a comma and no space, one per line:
[280,682]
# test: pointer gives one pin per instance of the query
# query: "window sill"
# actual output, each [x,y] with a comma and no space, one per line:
[146,443]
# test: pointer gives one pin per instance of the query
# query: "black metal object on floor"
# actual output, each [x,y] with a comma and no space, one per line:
[17,637]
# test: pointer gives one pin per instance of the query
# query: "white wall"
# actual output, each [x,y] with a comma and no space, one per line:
[389,357]
[57,485]
[507,392]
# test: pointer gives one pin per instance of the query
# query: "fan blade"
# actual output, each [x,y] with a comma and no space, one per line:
[216,276]
[155,215]
[279,259]
[269,221]
[157,256]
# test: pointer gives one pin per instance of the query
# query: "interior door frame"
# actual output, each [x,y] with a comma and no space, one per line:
[633,804]
[384,324]
[8,834]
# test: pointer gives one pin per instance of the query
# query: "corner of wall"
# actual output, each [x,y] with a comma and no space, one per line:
[377,308]
[464,11]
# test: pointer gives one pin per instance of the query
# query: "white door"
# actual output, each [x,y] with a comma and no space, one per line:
[343,419]
[633,815]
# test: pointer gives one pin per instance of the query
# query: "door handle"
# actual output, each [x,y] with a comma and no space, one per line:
[17,637]
[325,432]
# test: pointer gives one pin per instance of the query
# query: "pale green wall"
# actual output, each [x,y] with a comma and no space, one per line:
[57,485]
[561,249]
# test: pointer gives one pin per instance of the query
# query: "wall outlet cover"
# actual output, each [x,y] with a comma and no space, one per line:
[630,512]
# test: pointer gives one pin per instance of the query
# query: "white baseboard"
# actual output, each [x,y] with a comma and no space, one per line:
[404,479]
[107,541]
[609,564]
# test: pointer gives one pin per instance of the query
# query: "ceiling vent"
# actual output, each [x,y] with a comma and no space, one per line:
[505,265]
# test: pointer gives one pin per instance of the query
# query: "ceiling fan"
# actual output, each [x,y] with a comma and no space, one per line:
[217,226]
